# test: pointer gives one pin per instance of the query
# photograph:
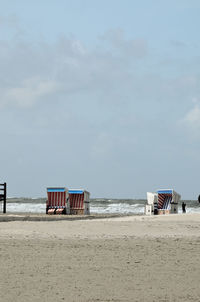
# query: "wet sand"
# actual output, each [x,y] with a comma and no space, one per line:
[136,258]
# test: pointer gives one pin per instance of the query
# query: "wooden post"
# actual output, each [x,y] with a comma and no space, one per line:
[4,199]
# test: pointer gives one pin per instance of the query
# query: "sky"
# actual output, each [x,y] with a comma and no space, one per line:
[101,95]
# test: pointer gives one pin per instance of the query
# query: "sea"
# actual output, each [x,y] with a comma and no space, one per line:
[97,206]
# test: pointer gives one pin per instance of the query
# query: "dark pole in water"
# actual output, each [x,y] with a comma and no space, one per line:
[4,199]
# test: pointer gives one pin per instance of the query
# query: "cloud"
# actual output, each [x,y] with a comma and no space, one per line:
[9,21]
[10,27]
[178,44]
[192,118]
[96,81]
[31,73]
[102,146]
[113,75]
[137,48]
[94,108]
[191,121]
[29,92]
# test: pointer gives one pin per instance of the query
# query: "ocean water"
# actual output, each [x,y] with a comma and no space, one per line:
[97,206]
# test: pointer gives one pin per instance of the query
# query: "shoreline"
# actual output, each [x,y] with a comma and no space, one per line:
[44,217]
[30,216]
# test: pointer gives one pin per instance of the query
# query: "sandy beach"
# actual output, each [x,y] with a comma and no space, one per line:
[135,258]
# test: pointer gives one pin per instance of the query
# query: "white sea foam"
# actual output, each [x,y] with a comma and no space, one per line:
[99,208]
[26,208]
[121,208]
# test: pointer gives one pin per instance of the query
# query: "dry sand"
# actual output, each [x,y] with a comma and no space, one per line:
[133,258]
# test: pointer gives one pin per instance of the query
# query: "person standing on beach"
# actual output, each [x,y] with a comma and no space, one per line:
[183,207]
[199,198]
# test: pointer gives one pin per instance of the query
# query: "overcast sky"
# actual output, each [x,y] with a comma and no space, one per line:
[100,94]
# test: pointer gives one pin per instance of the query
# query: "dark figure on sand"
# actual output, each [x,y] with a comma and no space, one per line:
[199,198]
[183,207]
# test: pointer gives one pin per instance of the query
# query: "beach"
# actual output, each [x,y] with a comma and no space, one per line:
[128,258]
